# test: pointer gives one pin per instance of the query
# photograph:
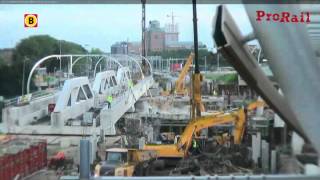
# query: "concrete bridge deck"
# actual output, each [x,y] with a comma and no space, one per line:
[77,102]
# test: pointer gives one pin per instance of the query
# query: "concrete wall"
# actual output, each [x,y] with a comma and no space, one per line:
[23,115]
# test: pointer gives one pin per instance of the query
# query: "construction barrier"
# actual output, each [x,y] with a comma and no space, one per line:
[22,157]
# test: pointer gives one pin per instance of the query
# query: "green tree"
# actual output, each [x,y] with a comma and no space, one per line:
[37,47]
[96,51]
[10,78]
[1,61]
[30,50]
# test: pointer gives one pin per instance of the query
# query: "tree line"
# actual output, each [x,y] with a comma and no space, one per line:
[205,57]
[28,51]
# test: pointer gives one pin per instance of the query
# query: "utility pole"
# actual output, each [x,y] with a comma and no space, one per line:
[218,62]
[143,23]
[22,88]
[88,65]
[196,77]
[23,74]
[205,64]
[60,64]
[195,36]
[60,54]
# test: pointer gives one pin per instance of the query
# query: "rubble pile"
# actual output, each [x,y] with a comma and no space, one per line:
[219,160]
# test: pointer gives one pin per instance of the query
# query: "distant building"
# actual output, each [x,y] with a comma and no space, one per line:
[134,47]
[126,48]
[119,48]
[183,45]
[172,33]
[155,37]
[172,38]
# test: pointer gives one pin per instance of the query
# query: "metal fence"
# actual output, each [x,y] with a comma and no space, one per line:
[34,96]
[164,65]
[230,177]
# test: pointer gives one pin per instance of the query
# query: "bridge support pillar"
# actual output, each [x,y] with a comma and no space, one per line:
[56,121]
[106,122]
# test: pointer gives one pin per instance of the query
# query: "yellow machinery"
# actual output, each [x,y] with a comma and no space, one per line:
[180,82]
[181,147]
[254,105]
[180,88]
[222,139]
[196,101]
[165,93]
[167,136]
[125,162]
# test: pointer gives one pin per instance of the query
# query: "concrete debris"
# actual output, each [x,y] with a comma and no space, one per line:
[223,160]
[289,165]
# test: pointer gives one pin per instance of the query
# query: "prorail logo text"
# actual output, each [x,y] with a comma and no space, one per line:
[283,17]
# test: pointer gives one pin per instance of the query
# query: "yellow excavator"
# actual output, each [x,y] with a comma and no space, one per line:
[180,88]
[182,145]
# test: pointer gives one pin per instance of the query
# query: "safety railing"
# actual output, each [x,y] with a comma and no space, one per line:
[26,99]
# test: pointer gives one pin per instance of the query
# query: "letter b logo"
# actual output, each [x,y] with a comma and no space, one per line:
[30,20]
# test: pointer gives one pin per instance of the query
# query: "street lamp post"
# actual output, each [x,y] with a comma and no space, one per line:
[205,64]
[60,54]
[88,66]
[218,63]
[23,72]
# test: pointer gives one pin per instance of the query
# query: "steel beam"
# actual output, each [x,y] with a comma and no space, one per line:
[231,177]
[294,64]
[230,43]
[313,9]
[58,57]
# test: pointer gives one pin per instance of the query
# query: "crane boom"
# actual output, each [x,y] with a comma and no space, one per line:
[180,85]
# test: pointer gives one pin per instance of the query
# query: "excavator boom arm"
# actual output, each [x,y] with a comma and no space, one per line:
[200,123]
[256,104]
[179,87]
[180,149]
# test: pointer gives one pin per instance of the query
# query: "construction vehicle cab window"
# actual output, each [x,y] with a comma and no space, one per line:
[141,89]
[116,157]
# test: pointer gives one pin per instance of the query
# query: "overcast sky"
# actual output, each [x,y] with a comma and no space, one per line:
[100,26]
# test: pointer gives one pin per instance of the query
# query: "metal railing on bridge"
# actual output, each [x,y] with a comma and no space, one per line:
[25,99]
